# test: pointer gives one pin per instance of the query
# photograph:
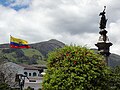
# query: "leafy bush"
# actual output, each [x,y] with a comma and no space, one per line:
[114,78]
[76,68]
[4,86]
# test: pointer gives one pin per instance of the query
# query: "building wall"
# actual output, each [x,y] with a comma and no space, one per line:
[36,85]
[31,72]
[34,81]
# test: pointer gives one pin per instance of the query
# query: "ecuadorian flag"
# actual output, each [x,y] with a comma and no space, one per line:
[18,43]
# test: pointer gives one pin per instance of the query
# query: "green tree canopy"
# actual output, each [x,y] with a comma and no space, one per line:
[114,78]
[75,68]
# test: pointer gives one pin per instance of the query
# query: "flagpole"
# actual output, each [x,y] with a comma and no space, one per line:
[10,40]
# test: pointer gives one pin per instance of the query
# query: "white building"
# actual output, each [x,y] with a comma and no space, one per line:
[32,72]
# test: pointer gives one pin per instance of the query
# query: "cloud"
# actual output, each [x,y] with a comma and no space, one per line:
[114,33]
[70,21]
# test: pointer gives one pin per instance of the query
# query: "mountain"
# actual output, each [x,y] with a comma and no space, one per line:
[37,54]
[27,56]
[113,60]
[47,46]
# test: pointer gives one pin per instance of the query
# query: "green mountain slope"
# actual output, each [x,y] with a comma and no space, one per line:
[47,46]
[37,54]
[27,56]
[113,60]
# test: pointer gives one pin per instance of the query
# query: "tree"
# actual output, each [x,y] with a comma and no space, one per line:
[114,78]
[76,68]
[4,86]
[7,74]
[3,83]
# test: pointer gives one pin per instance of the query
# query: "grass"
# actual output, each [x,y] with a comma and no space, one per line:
[31,52]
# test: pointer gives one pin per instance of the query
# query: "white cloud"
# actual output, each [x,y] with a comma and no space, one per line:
[70,21]
[114,33]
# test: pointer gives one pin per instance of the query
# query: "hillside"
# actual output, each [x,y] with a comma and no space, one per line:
[47,46]
[37,54]
[27,56]
[113,60]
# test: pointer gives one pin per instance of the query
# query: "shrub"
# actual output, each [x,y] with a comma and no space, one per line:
[75,68]
[114,78]
[4,86]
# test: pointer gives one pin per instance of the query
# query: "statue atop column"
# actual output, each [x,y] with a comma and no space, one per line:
[103,43]
[103,20]
[103,32]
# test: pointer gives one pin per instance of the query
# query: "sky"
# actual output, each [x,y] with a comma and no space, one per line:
[69,21]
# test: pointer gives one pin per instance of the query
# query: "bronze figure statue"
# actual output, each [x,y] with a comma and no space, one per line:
[103,20]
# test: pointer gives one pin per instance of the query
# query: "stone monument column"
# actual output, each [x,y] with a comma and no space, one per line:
[103,43]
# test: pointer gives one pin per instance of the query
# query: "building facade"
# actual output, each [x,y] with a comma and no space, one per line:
[33,74]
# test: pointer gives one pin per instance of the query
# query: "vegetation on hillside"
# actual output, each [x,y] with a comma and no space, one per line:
[37,54]
[38,50]
[26,56]
[47,46]
[114,60]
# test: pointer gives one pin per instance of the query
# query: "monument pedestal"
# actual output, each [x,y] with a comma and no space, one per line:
[103,49]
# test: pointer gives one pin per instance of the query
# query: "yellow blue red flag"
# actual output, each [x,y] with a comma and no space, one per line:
[18,43]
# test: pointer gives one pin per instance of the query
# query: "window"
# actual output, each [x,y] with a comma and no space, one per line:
[34,74]
[29,74]
[25,73]
[32,80]
[41,70]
